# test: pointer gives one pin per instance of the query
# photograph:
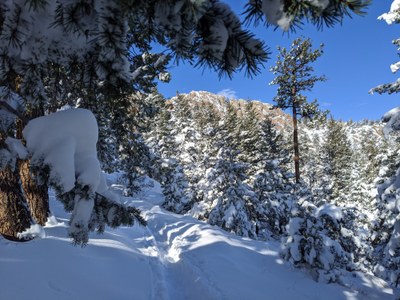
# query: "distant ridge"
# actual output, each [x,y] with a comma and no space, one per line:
[278,117]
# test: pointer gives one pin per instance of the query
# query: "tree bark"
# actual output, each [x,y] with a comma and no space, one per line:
[14,214]
[296,145]
[36,193]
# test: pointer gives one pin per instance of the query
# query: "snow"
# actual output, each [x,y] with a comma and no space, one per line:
[66,142]
[16,148]
[175,257]
[273,10]
[395,67]
[322,4]
[391,16]
[331,210]
[34,231]
[392,120]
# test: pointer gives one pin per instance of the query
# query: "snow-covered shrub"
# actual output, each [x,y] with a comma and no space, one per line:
[313,241]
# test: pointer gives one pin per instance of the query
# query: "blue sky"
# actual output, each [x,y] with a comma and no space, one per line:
[357,56]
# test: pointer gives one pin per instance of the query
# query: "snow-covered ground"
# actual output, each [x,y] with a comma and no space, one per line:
[175,257]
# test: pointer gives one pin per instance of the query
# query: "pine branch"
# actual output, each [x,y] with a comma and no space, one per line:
[13,111]
[131,212]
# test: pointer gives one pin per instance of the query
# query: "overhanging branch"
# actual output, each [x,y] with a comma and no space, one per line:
[10,109]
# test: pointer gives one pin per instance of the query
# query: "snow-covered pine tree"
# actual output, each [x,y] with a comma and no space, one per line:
[338,162]
[314,241]
[134,156]
[272,183]
[228,201]
[250,142]
[90,43]
[232,200]
[175,186]
[311,160]
[386,228]
[294,75]
[391,17]
[207,120]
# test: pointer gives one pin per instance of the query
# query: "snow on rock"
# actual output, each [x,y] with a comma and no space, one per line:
[66,142]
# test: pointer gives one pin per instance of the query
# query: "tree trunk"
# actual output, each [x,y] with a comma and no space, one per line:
[14,214]
[296,145]
[36,193]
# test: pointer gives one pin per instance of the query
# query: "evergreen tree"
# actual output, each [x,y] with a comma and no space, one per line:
[315,241]
[175,186]
[232,200]
[294,76]
[338,161]
[392,17]
[311,161]
[90,45]
[272,184]
[385,237]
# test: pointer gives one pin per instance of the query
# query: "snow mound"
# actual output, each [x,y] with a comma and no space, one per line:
[66,142]
[331,210]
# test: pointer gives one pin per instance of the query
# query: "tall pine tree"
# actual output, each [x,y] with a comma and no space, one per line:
[294,75]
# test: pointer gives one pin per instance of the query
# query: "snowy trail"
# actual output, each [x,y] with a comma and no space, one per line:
[204,262]
[174,258]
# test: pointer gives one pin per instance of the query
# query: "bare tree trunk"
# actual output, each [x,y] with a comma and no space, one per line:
[296,145]
[36,193]
[14,214]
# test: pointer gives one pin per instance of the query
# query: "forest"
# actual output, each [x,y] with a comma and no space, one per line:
[82,124]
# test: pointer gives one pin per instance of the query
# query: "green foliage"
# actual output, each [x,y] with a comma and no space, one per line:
[329,14]
[294,75]
[338,160]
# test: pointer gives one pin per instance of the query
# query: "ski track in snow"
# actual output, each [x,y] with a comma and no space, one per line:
[166,241]
[174,258]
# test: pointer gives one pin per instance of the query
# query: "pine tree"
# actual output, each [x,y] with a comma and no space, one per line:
[90,47]
[385,237]
[311,161]
[232,200]
[392,17]
[338,161]
[271,183]
[294,76]
[249,138]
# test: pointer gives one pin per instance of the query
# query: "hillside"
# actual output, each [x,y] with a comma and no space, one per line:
[199,98]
